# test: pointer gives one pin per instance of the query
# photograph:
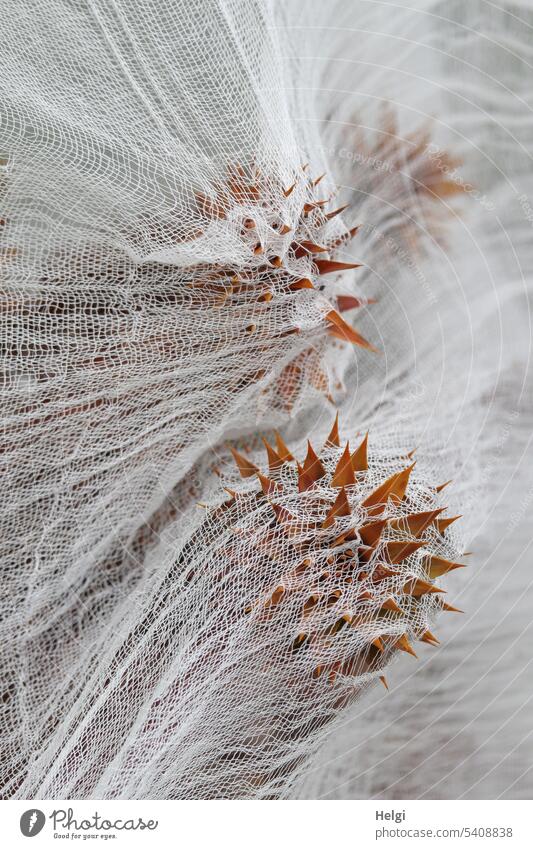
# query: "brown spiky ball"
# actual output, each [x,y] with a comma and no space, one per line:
[343,550]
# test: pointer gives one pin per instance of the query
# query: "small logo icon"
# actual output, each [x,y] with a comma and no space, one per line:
[32,822]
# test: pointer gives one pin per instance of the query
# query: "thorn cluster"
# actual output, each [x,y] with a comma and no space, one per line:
[284,256]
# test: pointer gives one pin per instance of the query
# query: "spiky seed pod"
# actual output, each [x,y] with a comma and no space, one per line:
[345,552]
[283,259]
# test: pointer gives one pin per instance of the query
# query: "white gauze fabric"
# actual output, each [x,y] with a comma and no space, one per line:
[149,153]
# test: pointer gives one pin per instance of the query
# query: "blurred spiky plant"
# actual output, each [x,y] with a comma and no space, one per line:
[284,258]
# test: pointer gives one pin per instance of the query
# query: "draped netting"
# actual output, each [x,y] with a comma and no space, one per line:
[177,272]
[220,674]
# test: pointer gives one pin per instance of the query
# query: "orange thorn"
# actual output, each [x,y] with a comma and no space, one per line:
[334,595]
[312,248]
[384,681]
[333,438]
[442,524]
[299,641]
[336,212]
[265,297]
[382,571]
[378,643]
[276,597]
[437,566]
[371,533]
[346,536]
[284,229]
[390,604]
[404,645]
[417,587]
[304,481]
[276,261]
[450,608]
[344,238]
[268,486]
[331,266]
[399,487]
[441,487]
[289,191]
[311,602]
[348,302]
[333,673]
[209,207]
[340,623]
[318,179]
[286,519]
[313,468]
[306,562]
[302,283]
[282,449]
[428,637]
[396,484]
[416,523]
[400,550]
[274,460]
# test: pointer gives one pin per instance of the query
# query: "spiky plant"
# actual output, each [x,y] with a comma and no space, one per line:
[431,185]
[280,601]
[345,555]
[306,246]
[289,247]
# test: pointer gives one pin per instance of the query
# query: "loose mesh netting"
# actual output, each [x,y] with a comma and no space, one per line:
[180,267]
